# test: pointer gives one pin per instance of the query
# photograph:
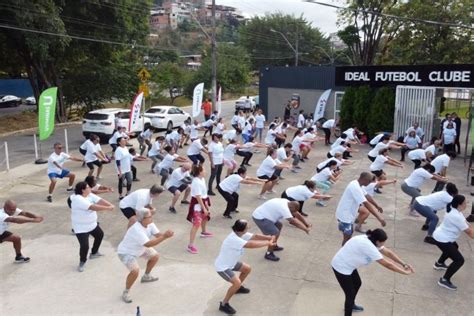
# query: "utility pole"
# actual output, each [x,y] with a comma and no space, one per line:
[214,56]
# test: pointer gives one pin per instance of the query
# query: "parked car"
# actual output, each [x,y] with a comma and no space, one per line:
[103,122]
[30,101]
[242,104]
[167,117]
[9,100]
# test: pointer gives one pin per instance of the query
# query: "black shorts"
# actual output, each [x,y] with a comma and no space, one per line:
[98,163]
[5,235]
[82,151]
[371,158]
[128,212]
[378,173]
[272,178]
[181,188]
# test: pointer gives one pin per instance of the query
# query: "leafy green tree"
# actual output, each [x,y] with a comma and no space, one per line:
[347,108]
[170,77]
[362,107]
[381,116]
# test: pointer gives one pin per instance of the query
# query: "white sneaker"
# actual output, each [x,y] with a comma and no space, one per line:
[126,297]
[262,197]
[80,268]
[96,255]
[148,278]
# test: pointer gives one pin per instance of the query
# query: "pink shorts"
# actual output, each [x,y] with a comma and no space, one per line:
[198,217]
[230,163]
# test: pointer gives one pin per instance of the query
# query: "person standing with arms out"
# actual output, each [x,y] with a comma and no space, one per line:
[457,123]
[94,156]
[84,208]
[445,237]
[207,107]
[328,128]
[199,208]
[228,260]
[11,214]
[361,251]
[139,241]
[352,198]
[260,124]
[56,170]
[216,159]
[179,183]
[123,164]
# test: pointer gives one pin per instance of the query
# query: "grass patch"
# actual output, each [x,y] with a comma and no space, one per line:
[462,112]
[18,121]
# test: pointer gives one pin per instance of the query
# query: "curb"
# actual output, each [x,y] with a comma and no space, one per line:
[33,129]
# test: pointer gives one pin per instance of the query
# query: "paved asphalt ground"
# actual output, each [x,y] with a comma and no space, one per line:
[301,283]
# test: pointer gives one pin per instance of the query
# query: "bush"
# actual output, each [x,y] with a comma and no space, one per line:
[382,114]
[347,108]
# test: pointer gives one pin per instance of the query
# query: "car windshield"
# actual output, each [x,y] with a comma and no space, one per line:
[156,111]
[123,115]
[96,116]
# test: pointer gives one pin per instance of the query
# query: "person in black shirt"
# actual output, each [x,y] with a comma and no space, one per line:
[457,121]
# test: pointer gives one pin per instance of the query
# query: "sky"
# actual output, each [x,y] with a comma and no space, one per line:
[323,17]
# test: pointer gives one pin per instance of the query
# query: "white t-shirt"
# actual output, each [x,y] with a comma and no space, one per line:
[299,193]
[91,149]
[376,139]
[59,159]
[194,131]
[357,252]
[219,128]
[176,177]
[417,178]
[350,134]
[247,128]
[231,250]
[419,131]
[136,237]
[301,121]
[241,121]
[375,151]
[229,151]
[274,210]
[417,154]
[231,184]
[370,189]
[451,228]
[267,167]
[440,162]
[431,149]
[325,162]
[435,201]
[229,135]
[412,142]
[198,187]
[195,147]
[259,121]
[270,138]
[84,144]
[155,149]
[378,163]
[217,151]
[234,120]
[167,162]
[338,149]
[117,135]
[281,154]
[297,141]
[350,201]
[83,219]
[122,155]
[323,175]
[449,135]
[137,199]
[445,124]
[337,142]
[146,134]
[4,216]
[329,123]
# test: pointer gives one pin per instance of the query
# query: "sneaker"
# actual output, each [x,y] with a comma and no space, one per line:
[358,228]
[236,211]
[294,170]
[81,266]
[184,202]
[447,284]
[321,203]
[172,210]
[96,255]
[226,308]
[271,256]
[148,278]
[271,192]
[413,213]
[377,190]
[243,290]
[297,167]
[281,178]
[49,198]
[211,193]
[440,266]
[206,235]
[248,165]
[227,216]
[278,248]
[262,197]
[70,189]
[192,249]
[21,259]
[357,308]
[430,240]
[470,218]
[136,180]
[126,297]
[425,227]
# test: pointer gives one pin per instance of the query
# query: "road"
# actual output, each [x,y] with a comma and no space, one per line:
[22,150]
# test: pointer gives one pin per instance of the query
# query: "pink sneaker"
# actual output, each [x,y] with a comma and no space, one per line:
[206,234]
[192,249]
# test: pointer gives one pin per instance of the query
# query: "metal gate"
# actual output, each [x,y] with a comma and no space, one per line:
[414,104]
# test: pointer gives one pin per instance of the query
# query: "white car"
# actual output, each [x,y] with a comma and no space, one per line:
[30,101]
[9,100]
[244,105]
[167,117]
[103,122]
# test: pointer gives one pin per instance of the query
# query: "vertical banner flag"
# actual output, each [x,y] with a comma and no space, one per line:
[321,105]
[197,99]
[219,101]
[47,112]
[134,122]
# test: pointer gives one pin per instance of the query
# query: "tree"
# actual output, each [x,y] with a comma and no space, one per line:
[170,77]
[270,48]
[347,108]
[362,107]
[382,111]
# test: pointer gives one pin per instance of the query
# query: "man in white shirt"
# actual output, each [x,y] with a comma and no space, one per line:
[123,164]
[142,198]
[179,182]
[194,151]
[11,214]
[139,241]
[268,218]
[441,164]
[328,127]
[56,169]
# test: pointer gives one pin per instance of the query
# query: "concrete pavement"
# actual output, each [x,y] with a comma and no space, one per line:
[302,283]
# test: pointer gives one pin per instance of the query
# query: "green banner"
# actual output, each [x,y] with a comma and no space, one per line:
[46,112]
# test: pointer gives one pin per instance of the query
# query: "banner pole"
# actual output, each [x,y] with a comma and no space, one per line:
[36,146]
[7,158]
[39,160]
[66,141]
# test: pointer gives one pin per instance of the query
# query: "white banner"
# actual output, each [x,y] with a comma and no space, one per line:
[321,105]
[197,99]
[134,122]
[219,101]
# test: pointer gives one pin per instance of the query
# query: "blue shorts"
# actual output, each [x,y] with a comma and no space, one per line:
[64,173]
[346,228]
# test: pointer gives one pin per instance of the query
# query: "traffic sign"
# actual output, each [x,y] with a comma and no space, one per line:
[144,88]
[144,75]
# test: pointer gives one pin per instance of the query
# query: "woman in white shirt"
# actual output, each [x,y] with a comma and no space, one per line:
[449,138]
[216,159]
[428,205]
[259,124]
[199,208]
[325,178]
[229,188]
[156,151]
[84,206]
[267,171]
[301,193]
[383,158]
[228,260]
[165,167]
[411,185]
[446,235]
[411,142]
[220,127]
[301,120]
[361,251]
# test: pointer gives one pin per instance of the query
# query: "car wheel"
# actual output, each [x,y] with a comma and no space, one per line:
[147,125]
[169,127]
[188,120]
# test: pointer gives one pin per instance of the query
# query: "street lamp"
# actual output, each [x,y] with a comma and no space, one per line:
[294,49]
